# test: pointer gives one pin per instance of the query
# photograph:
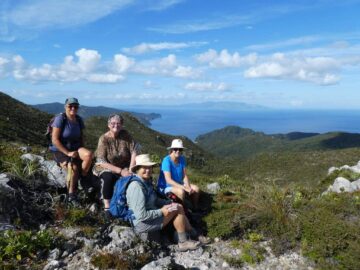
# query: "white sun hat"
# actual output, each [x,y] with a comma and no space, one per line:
[142,160]
[176,143]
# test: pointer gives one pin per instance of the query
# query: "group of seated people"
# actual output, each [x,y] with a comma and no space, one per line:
[117,156]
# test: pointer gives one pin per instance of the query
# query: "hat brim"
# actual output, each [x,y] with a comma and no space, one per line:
[169,148]
[133,169]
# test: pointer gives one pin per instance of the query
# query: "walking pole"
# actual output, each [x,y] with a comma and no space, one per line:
[70,174]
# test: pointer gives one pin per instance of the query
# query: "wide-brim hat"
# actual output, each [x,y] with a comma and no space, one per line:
[71,100]
[142,160]
[176,143]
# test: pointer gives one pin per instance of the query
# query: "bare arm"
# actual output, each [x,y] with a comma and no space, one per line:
[55,138]
[170,181]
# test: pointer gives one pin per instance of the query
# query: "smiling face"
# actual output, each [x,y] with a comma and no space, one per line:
[145,172]
[71,109]
[115,124]
[176,152]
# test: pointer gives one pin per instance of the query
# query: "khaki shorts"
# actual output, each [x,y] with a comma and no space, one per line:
[149,226]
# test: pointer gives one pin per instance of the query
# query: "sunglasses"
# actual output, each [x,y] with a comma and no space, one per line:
[113,124]
[70,106]
[177,149]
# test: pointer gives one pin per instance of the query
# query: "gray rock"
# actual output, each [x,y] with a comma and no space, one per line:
[341,184]
[163,263]
[52,265]
[123,238]
[25,149]
[55,174]
[355,185]
[332,169]
[32,157]
[213,188]
[54,254]
[4,180]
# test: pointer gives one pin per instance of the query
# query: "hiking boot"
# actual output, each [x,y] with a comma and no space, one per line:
[204,240]
[73,201]
[188,245]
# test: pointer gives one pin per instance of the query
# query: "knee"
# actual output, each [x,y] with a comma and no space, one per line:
[88,155]
[195,188]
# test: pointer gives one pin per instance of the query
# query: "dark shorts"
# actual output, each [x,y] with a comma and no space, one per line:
[149,226]
[60,158]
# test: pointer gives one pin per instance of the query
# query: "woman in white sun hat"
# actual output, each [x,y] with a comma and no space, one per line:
[152,213]
[173,177]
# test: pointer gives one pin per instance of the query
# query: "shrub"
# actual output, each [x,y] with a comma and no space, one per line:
[24,244]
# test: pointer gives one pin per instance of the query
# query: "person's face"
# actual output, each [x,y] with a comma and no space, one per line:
[177,152]
[72,109]
[145,172]
[115,125]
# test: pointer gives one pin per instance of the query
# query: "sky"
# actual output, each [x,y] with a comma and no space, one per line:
[302,54]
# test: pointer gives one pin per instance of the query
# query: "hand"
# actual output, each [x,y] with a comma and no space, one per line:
[174,207]
[187,188]
[125,172]
[73,154]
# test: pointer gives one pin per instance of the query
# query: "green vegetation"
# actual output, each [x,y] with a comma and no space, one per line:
[271,190]
[17,247]
[238,142]
[123,261]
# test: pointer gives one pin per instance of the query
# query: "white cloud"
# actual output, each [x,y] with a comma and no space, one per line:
[104,78]
[319,70]
[40,14]
[150,85]
[158,5]
[225,59]
[207,86]
[150,47]
[185,72]
[167,66]
[122,63]
[306,40]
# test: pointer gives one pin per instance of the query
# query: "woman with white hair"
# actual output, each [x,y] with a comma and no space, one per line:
[115,154]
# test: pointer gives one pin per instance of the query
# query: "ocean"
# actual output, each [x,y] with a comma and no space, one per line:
[192,123]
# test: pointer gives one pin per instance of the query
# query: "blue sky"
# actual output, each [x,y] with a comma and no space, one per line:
[280,54]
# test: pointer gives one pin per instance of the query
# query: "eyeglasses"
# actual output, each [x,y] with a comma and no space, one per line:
[177,149]
[75,107]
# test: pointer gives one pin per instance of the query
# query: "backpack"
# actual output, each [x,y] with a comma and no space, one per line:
[49,128]
[118,204]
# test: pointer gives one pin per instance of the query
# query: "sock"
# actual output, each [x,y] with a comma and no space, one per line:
[106,209]
[182,237]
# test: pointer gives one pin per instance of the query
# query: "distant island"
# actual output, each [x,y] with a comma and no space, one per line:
[88,111]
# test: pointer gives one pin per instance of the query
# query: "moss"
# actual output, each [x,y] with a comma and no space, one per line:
[252,253]
[123,261]
[75,217]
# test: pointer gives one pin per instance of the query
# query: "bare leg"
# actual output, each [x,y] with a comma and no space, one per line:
[86,156]
[179,192]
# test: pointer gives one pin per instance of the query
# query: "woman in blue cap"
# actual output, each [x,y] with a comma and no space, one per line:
[68,145]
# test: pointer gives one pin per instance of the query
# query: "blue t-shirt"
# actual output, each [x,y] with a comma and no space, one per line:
[71,135]
[176,171]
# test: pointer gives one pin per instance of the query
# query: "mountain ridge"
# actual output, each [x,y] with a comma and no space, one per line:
[89,111]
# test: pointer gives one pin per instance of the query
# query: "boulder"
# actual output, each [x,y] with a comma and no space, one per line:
[213,188]
[55,174]
[332,169]
[122,238]
[4,180]
[32,157]
[341,184]
[355,185]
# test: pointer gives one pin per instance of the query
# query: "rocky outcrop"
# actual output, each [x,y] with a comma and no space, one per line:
[341,184]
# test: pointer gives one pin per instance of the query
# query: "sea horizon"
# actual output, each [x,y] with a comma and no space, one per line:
[192,123]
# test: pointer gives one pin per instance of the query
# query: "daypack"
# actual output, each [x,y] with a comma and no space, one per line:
[49,128]
[118,204]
